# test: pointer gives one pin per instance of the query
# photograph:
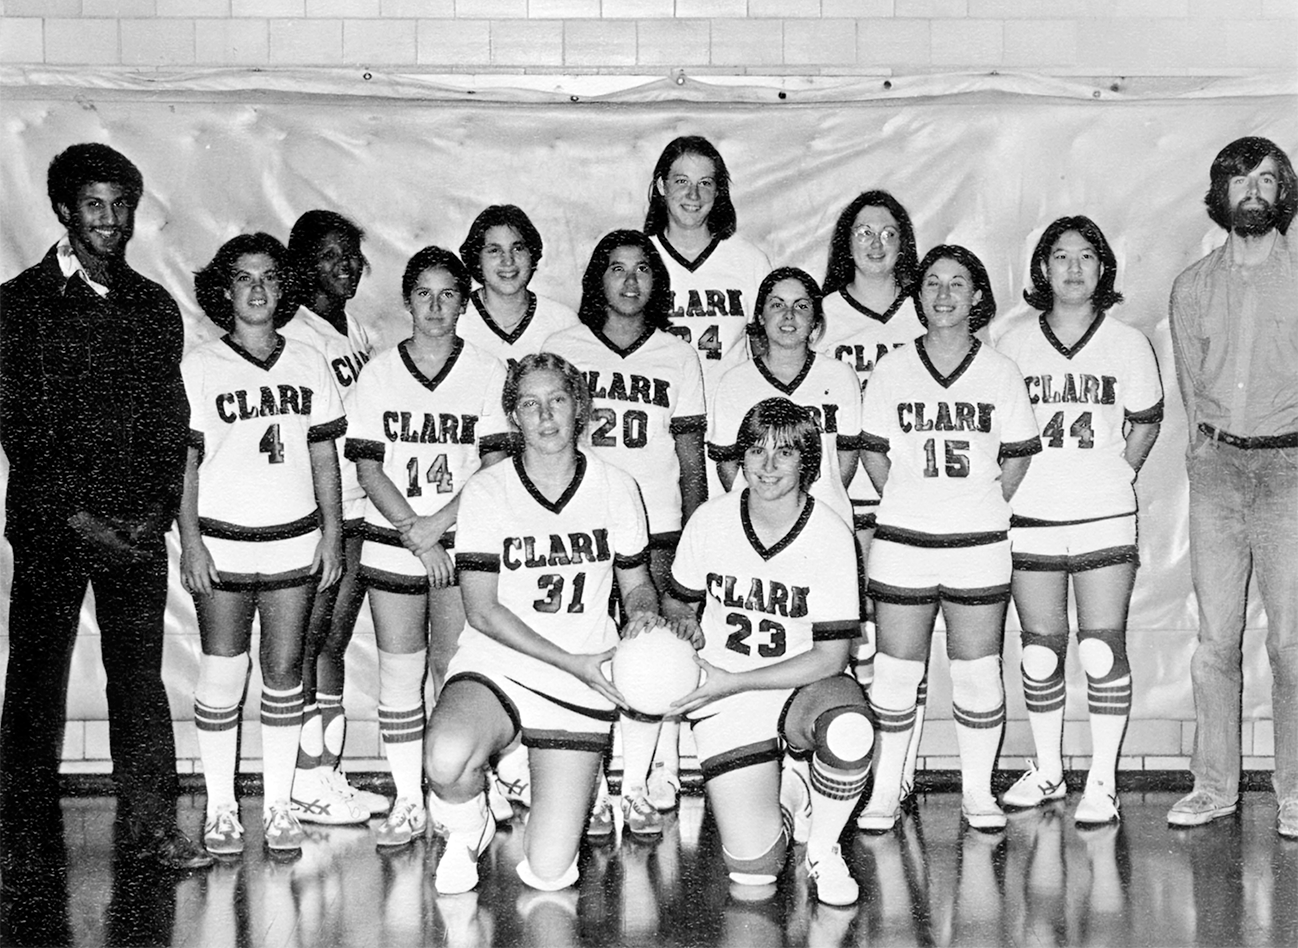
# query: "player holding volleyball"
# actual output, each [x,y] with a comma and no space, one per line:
[539,542]
[1094,385]
[949,433]
[425,417]
[775,571]
[260,522]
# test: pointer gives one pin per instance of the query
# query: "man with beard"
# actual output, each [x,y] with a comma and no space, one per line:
[94,422]
[1234,321]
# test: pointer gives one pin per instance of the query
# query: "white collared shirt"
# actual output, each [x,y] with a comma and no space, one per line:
[70,264]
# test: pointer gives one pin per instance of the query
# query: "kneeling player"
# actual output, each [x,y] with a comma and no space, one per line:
[539,541]
[776,573]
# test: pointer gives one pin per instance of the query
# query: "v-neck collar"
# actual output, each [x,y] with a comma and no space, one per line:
[864,310]
[613,347]
[516,333]
[755,542]
[690,265]
[948,380]
[431,384]
[797,379]
[568,492]
[1066,351]
[264,364]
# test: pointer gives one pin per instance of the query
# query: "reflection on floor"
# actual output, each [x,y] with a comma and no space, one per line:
[929,882]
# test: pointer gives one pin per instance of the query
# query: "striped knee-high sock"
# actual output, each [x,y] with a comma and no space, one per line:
[281,726]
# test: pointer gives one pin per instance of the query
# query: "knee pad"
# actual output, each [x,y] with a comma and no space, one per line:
[760,870]
[221,679]
[1104,654]
[844,738]
[401,679]
[896,682]
[567,878]
[1044,686]
[977,691]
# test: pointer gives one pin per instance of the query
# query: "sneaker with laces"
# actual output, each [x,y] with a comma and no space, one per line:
[283,833]
[223,833]
[1099,804]
[374,803]
[600,824]
[1197,808]
[641,817]
[457,870]
[663,787]
[316,800]
[833,880]
[981,812]
[1286,823]
[407,822]
[1033,789]
[497,801]
[795,798]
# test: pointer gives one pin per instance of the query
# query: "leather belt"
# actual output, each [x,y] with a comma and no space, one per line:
[1250,444]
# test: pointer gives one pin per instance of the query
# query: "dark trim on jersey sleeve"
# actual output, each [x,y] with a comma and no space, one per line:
[363,449]
[328,431]
[629,562]
[1021,449]
[1150,416]
[854,442]
[495,442]
[477,562]
[684,593]
[873,443]
[723,452]
[840,629]
[688,423]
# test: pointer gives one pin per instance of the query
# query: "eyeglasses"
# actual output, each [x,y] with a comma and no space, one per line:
[865,235]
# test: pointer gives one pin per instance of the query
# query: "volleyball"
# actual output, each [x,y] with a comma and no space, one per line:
[654,669]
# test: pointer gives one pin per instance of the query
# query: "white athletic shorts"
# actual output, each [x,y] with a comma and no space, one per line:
[1074,547]
[913,568]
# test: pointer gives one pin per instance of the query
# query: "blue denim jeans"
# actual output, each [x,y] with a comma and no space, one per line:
[1243,516]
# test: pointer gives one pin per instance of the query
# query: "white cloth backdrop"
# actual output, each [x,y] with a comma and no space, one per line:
[986,162]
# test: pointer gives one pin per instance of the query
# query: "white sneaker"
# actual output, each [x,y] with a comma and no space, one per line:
[513,770]
[316,800]
[664,787]
[1099,804]
[1033,789]
[878,818]
[640,817]
[407,822]
[457,871]
[375,803]
[497,801]
[834,882]
[795,797]
[981,812]
[282,832]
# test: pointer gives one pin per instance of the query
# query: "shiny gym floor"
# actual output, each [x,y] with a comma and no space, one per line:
[1041,882]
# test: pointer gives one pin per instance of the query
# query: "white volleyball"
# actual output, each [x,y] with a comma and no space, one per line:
[654,669]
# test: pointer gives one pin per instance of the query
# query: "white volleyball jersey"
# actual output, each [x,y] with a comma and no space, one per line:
[944,437]
[762,604]
[346,356]
[858,336]
[429,434]
[712,299]
[1082,395]
[544,318]
[253,422]
[553,561]
[826,386]
[643,397]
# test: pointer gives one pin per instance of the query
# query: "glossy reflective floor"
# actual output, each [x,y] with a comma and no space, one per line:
[930,882]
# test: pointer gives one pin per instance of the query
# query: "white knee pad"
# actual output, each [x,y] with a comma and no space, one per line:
[846,739]
[221,679]
[896,682]
[569,877]
[976,685]
[1103,653]
[401,679]
[1043,655]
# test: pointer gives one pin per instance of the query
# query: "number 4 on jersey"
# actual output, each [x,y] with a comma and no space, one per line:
[271,445]
[1053,432]
[438,473]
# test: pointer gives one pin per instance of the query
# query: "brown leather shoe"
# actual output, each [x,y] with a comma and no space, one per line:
[171,849]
